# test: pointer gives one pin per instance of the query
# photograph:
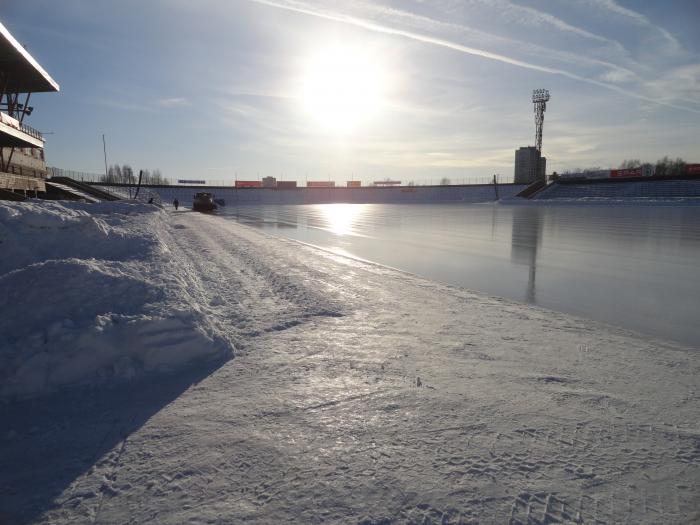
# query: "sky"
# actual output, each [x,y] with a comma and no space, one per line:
[411,90]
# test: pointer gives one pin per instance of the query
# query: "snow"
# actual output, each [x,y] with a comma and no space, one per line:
[91,293]
[358,393]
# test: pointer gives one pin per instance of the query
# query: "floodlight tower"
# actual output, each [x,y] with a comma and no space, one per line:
[539,98]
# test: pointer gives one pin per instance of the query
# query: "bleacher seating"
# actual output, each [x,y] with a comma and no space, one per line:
[628,191]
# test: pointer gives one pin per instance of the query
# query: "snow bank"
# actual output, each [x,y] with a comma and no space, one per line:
[91,294]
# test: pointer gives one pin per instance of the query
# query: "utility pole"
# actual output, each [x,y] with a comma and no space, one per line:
[104,148]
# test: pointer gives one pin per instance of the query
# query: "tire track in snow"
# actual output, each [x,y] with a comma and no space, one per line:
[239,288]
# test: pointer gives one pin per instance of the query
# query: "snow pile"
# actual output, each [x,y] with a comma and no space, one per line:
[91,293]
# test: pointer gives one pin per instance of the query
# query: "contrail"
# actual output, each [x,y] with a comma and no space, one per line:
[378,28]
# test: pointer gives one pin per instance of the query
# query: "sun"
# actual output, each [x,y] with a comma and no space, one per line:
[342,87]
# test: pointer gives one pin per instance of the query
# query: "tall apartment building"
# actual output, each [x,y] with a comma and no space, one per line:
[22,166]
[530,165]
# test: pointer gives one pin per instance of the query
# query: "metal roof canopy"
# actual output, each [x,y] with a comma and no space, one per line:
[24,74]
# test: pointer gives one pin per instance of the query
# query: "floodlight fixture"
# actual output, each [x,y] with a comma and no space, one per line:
[540,95]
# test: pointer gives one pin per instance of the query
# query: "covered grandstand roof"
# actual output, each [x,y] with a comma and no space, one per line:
[23,71]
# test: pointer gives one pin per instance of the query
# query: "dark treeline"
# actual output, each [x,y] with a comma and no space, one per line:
[125,175]
[665,166]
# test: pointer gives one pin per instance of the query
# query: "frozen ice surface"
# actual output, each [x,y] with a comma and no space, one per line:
[631,266]
[358,394]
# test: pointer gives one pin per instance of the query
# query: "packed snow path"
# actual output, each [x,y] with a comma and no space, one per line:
[359,394]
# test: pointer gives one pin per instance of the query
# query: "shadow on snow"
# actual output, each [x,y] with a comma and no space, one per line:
[48,442]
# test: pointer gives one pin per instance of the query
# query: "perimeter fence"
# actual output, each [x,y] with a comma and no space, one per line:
[92,177]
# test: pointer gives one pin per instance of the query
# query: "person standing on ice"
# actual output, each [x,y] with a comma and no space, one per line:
[176,203]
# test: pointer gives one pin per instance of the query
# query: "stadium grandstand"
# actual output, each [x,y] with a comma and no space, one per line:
[22,166]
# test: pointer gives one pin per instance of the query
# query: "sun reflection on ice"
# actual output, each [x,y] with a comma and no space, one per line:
[341,218]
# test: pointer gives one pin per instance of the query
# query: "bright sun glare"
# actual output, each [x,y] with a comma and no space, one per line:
[341,218]
[342,87]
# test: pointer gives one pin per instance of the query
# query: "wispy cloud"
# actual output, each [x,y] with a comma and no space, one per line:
[160,104]
[373,26]
[613,7]
[681,82]
[524,16]
[370,25]
[172,102]
[124,105]
[534,18]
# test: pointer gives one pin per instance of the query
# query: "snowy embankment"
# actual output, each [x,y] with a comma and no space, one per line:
[359,394]
[93,292]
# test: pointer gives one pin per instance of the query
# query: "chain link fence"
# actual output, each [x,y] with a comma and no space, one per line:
[89,177]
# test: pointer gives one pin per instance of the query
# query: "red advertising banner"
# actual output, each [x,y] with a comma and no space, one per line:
[692,168]
[320,184]
[631,172]
[248,184]
[354,184]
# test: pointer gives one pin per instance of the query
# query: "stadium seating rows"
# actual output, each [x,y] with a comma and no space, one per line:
[638,190]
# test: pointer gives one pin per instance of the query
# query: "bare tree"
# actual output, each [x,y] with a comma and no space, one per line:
[630,164]
[114,174]
[154,177]
[128,175]
[125,175]
[157,178]
[669,167]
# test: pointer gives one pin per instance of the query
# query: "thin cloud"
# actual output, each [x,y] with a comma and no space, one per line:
[373,26]
[172,102]
[638,18]
[682,82]
[616,73]
[380,28]
[124,106]
[530,16]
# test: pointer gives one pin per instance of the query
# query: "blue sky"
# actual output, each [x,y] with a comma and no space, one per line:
[421,89]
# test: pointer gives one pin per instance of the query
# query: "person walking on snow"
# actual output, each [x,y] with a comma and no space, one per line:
[176,203]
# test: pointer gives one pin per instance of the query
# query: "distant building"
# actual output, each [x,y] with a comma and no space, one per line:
[22,166]
[530,165]
[386,182]
[269,182]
